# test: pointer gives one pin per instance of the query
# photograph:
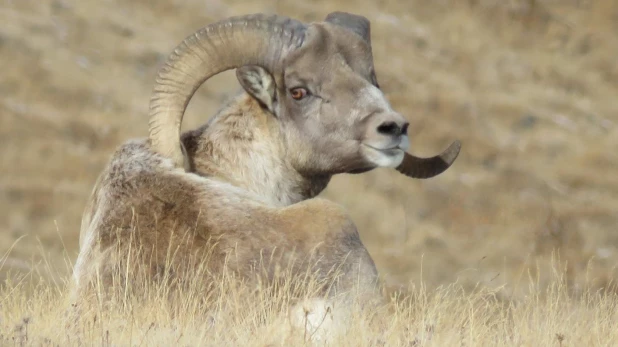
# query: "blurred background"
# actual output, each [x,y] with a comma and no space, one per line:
[529,87]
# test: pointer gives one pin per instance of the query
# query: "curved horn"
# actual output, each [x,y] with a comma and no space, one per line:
[262,40]
[357,24]
[416,167]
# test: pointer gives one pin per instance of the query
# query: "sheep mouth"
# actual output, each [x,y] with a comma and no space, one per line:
[389,146]
[388,150]
[383,157]
[361,170]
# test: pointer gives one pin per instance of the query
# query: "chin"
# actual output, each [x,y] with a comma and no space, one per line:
[383,158]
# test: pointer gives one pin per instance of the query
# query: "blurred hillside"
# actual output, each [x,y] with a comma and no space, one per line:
[529,87]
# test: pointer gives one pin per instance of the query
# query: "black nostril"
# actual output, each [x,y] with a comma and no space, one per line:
[404,130]
[390,128]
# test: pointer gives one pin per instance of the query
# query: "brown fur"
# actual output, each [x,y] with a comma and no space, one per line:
[140,199]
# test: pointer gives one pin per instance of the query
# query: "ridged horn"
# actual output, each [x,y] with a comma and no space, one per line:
[358,24]
[416,167]
[258,39]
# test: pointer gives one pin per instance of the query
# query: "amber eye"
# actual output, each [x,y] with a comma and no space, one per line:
[298,93]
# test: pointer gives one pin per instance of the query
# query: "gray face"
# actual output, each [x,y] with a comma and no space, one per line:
[326,99]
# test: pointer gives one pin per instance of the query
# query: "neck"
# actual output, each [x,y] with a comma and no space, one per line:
[242,145]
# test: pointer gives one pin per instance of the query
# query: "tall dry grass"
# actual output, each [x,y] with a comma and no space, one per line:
[41,313]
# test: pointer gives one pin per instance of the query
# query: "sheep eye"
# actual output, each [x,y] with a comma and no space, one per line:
[298,93]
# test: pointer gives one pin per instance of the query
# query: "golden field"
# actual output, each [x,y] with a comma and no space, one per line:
[516,244]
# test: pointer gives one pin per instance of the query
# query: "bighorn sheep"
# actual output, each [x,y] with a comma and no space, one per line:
[311,108]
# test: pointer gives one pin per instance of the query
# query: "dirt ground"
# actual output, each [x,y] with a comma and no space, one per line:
[529,87]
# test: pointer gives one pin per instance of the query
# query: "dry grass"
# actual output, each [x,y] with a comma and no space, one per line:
[448,315]
[528,86]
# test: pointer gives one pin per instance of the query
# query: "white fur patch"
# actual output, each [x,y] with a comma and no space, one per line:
[382,159]
[319,320]
[405,143]
[90,223]
[372,96]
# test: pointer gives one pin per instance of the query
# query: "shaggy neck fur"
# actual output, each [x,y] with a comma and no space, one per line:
[243,145]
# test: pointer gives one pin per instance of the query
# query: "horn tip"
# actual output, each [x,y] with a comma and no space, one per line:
[452,152]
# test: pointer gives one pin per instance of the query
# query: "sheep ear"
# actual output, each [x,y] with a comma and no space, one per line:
[259,83]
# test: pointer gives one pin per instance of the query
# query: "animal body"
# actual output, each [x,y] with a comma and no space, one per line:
[244,184]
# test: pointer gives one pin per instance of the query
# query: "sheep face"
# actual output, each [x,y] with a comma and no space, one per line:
[329,105]
[317,80]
